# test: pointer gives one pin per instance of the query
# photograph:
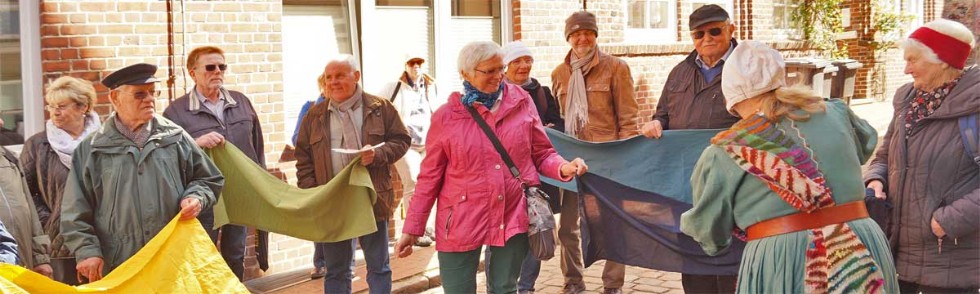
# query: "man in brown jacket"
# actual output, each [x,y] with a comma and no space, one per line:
[595,92]
[349,120]
[692,99]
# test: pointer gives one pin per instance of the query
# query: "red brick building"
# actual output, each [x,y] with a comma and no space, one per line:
[276,48]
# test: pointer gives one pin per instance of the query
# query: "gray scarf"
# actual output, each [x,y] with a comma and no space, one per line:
[577,108]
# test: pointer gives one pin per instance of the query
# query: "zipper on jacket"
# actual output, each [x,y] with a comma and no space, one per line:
[449,221]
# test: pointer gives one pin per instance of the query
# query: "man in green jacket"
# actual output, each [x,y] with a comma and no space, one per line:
[131,177]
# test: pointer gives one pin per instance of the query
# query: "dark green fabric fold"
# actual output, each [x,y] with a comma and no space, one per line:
[338,210]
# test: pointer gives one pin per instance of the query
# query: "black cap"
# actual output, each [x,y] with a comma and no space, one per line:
[706,14]
[136,74]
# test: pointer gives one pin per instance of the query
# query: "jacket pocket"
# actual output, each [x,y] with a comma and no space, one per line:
[451,218]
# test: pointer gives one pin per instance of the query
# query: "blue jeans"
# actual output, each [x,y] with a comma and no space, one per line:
[318,260]
[338,258]
[530,269]
[232,242]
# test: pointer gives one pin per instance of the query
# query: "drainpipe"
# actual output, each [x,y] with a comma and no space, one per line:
[171,77]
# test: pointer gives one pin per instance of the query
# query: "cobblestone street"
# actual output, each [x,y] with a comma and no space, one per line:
[638,280]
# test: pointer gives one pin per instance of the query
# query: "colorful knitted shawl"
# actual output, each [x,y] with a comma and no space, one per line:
[836,260]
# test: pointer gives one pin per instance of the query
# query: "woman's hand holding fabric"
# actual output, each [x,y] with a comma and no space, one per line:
[576,167]
[879,189]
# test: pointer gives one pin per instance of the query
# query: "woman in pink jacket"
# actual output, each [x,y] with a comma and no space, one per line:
[479,201]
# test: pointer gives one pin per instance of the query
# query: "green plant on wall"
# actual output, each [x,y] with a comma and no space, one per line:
[887,28]
[821,21]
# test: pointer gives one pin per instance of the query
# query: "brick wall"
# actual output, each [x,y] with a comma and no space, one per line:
[542,25]
[91,39]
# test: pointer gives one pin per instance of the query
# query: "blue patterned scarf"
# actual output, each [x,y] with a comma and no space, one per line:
[471,94]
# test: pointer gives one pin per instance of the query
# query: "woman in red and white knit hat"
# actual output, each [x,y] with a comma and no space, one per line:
[924,168]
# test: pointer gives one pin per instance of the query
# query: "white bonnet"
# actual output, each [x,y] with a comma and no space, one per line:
[515,50]
[752,69]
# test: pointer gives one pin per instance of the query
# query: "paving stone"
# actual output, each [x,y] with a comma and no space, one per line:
[639,288]
[673,284]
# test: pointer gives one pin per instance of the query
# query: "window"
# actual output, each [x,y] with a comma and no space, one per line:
[782,21]
[469,21]
[312,31]
[914,8]
[11,86]
[651,21]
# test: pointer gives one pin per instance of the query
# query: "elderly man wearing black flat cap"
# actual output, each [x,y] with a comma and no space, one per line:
[131,177]
[692,99]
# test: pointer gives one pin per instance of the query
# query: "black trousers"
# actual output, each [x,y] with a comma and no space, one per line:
[708,283]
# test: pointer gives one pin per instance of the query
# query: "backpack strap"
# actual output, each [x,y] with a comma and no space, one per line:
[970,136]
[394,94]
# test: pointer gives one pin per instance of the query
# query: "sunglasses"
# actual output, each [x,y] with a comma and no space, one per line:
[212,67]
[700,34]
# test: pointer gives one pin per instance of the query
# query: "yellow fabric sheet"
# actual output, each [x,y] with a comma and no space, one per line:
[339,210]
[179,259]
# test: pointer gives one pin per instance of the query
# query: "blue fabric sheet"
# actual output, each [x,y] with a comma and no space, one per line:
[632,199]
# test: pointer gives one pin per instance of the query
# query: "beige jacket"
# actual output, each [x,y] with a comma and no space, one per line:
[613,110]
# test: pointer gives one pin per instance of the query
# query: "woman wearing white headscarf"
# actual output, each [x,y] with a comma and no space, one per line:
[789,174]
[47,156]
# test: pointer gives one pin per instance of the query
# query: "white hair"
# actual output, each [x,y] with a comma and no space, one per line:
[475,52]
[946,27]
[345,58]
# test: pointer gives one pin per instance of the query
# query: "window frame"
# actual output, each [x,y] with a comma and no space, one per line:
[788,32]
[651,35]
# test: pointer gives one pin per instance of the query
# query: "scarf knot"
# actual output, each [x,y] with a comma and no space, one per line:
[471,94]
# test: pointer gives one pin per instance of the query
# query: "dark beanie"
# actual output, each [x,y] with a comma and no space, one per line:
[581,20]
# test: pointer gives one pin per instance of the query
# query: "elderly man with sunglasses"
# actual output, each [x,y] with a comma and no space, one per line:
[132,176]
[213,115]
[692,99]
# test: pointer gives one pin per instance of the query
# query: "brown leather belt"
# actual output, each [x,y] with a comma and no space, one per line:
[805,221]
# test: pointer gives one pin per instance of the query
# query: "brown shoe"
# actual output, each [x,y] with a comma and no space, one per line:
[612,291]
[573,289]
[318,273]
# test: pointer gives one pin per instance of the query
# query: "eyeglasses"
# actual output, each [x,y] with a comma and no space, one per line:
[492,72]
[146,94]
[700,34]
[212,67]
[63,107]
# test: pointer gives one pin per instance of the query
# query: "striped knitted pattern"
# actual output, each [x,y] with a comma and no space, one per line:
[766,152]
[836,260]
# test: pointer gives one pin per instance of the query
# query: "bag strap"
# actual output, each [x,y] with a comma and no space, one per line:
[970,136]
[497,145]
[394,94]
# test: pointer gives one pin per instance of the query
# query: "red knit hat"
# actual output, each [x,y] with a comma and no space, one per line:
[950,50]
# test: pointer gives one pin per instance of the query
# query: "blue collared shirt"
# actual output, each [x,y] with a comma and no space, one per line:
[710,73]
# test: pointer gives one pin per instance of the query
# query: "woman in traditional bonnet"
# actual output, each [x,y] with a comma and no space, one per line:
[788,175]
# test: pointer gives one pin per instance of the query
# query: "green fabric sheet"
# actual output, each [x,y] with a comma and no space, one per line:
[338,210]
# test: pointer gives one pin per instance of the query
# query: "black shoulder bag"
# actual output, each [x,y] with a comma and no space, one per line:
[541,231]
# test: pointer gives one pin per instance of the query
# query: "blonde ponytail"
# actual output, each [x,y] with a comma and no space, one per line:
[785,101]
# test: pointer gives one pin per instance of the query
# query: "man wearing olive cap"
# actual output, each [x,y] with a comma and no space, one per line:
[131,177]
